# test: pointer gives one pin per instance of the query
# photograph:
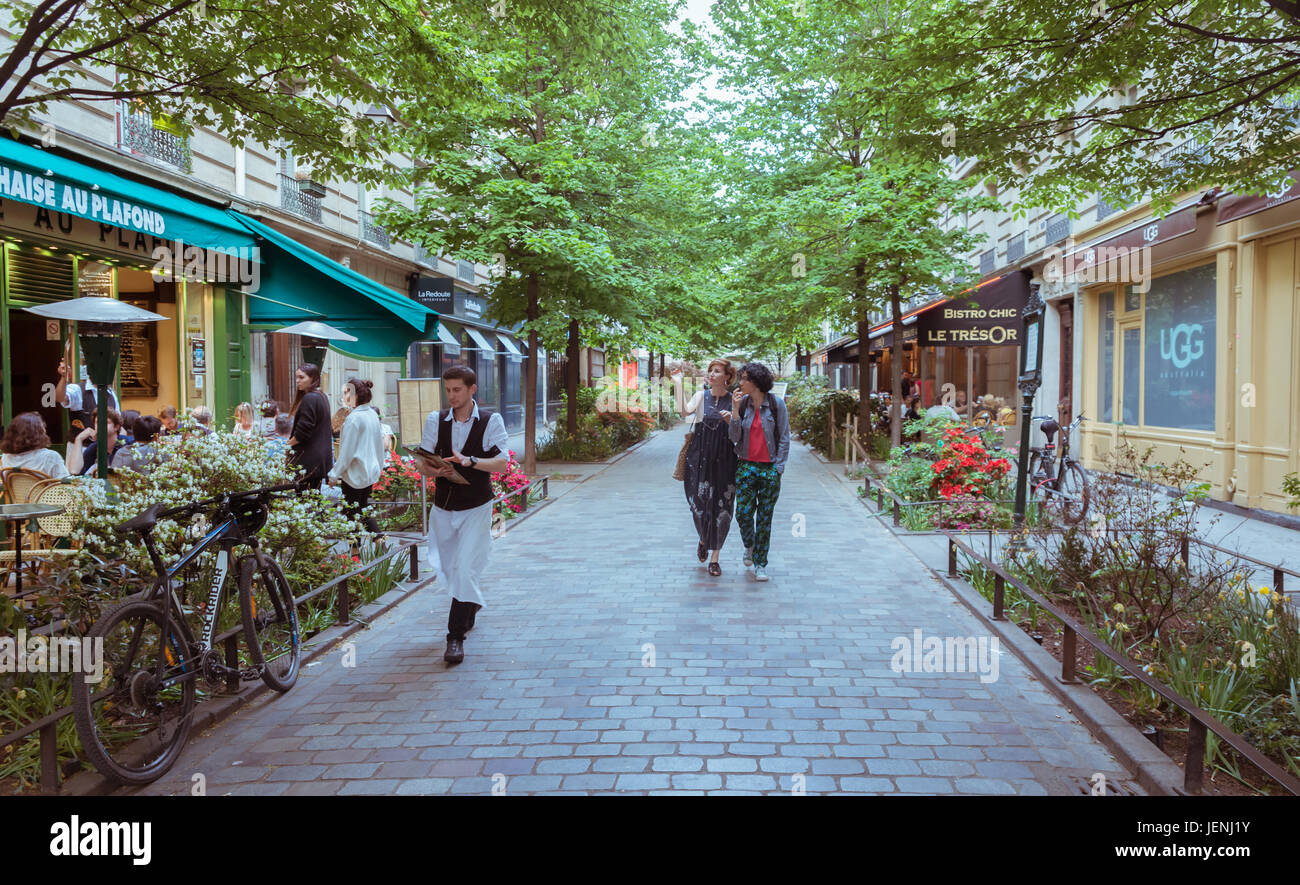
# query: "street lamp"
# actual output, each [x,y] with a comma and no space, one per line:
[316,338]
[1031,376]
[99,324]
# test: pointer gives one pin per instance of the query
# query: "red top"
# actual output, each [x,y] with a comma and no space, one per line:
[758,440]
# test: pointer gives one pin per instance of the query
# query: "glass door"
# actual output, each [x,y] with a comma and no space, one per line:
[1130,373]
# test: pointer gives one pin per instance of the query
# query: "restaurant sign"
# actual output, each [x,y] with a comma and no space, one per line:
[987,315]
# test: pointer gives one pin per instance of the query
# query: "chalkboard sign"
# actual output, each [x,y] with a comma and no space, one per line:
[139,364]
[95,279]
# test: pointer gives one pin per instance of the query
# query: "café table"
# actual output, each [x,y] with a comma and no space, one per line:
[18,514]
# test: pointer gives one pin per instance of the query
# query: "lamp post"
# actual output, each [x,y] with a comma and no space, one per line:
[1031,376]
[99,325]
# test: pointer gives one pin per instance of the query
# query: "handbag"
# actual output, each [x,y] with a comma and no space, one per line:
[679,473]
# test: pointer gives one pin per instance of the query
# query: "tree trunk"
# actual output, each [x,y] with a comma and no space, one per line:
[865,415]
[896,404]
[571,380]
[530,382]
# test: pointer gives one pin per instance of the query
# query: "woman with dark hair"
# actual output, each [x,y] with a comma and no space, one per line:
[760,430]
[26,444]
[129,417]
[142,456]
[361,450]
[312,441]
[711,464]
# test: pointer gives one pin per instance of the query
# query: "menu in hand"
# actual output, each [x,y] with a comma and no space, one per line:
[437,463]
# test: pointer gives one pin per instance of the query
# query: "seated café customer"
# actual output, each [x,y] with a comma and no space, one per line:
[266,425]
[278,444]
[142,456]
[129,417]
[26,444]
[83,453]
[245,423]
[203,416]
[169,421]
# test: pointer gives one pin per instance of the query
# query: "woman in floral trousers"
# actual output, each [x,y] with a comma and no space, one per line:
[760,431]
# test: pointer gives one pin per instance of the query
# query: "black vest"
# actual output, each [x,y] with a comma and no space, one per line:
[89,414]
[449,495]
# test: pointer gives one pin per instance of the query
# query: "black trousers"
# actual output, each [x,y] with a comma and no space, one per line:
[355,500]
[460,620]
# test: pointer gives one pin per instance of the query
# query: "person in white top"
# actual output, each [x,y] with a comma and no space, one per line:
[475,444]
[244,423]
[81,403]
[361,450]
[25,444]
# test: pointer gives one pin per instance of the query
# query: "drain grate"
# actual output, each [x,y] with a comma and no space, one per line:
[1114,785]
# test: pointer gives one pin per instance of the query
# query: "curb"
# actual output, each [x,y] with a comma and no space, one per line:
[210,713]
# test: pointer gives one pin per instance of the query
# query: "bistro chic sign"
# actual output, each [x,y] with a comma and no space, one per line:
[988,315]
[41,190]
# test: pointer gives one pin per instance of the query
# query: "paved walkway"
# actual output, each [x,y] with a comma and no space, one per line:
[609,661]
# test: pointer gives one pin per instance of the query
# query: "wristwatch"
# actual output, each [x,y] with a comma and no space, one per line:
[473,462]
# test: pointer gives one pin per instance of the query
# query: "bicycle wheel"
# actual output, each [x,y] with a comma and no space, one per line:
[1040,492]
[270,622]
[1075,492]
[132,724]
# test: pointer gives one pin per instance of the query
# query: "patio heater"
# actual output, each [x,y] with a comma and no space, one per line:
[99,325]
[1031,377]
[316,338]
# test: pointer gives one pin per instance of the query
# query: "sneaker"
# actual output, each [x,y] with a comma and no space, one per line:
[749,556]
[760,574]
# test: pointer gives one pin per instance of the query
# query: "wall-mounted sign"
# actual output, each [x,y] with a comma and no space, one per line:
[198,356]
[435,293]
[52,330]
[1235,206]
[987,315]
[469,305]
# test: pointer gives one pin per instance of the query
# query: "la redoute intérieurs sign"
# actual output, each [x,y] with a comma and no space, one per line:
[988,316]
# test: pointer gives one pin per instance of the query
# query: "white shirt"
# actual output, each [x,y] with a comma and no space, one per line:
[72,393]
[361,449]
[44,460]
[493,435]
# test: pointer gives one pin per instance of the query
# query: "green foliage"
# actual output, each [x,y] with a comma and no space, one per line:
[809,407]
[1291,485]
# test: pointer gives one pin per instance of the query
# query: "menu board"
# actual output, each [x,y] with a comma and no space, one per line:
[95,279]
[139,361]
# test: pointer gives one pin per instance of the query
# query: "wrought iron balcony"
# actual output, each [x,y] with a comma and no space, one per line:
[371,231]
[141,137]
[988,261]
[1058,228]
[1016,248]
[293,199]
[465,270]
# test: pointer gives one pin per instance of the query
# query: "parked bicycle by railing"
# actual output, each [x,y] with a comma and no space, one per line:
[134,724]
[1058,485]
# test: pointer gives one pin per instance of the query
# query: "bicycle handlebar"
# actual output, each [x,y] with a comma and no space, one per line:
[224,498]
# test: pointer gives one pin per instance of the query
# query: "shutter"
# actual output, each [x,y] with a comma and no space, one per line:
[39,279]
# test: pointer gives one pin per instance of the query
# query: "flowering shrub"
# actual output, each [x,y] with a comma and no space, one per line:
[964,468]
[509,480]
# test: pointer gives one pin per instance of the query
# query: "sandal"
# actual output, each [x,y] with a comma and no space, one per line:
[715,569]
[702,552]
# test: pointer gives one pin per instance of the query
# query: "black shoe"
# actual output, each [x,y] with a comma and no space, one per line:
[469,624]
[702,552]
[715,569]
[455,651]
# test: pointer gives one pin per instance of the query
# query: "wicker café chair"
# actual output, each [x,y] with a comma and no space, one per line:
[19,482]
[39,547]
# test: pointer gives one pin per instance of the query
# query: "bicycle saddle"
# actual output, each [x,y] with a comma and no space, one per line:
[1049,428]
[142,522]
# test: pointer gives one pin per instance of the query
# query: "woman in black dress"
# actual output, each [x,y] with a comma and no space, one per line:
[711,464]
[312,439]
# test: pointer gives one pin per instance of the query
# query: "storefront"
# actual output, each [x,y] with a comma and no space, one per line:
[465,338]
[71,229]
[1197,358]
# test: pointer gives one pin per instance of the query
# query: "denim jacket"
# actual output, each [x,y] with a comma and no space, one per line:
[776,429]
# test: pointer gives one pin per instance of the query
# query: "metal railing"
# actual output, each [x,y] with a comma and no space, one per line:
[372,231]
[988,261]
[46,727]
[140,136]
[1016,248]
[1199,721]
[294,200]
[1057,229]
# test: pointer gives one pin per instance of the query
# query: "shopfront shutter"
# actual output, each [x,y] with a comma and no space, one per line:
[39,279]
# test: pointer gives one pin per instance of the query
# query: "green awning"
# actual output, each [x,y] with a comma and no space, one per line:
[87,192]
[298,283]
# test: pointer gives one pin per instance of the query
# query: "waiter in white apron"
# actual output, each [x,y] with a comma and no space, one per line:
[475,441]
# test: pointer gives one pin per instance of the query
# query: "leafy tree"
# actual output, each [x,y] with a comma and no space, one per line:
[1070,99]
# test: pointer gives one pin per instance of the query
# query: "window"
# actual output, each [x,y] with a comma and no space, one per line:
[1106,357]
[1179,358]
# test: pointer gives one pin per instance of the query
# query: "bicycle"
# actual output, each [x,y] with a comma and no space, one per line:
[134,728]
[1059,483]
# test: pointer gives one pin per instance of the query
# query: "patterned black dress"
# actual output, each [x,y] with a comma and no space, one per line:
[711,473]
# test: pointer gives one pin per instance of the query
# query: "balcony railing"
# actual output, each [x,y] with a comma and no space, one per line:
[141,137]
[294,200]
[465,270]
[1016,248]
[988,261]
[1058,228]
[371,231]
[422,255]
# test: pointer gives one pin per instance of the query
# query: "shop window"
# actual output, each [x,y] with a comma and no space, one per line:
[1130,405]
[1106,358]
[1180,350]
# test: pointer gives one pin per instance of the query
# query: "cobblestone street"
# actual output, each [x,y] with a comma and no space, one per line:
[608,661]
